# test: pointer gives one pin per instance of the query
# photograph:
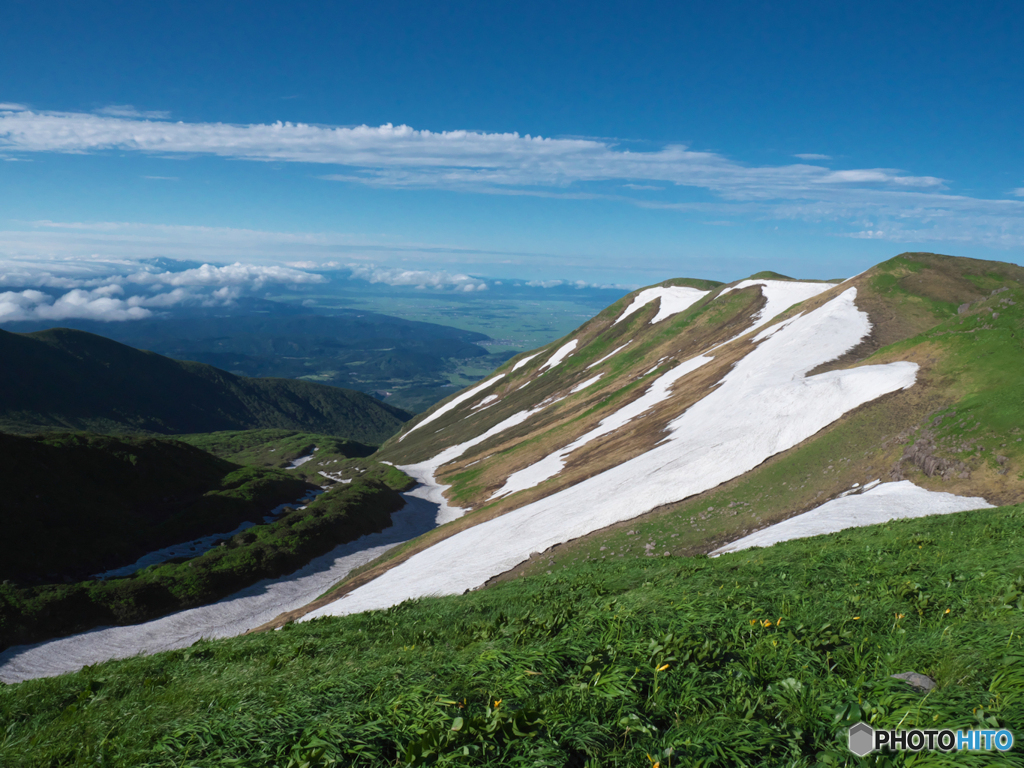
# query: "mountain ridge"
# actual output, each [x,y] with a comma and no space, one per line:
[905,298]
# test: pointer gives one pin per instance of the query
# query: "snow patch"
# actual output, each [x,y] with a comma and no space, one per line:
[580,387]
[879,504]
[296,463]
[198,546]
[523,362]
[562,353]
[674,299]
[454,403]
[489,400]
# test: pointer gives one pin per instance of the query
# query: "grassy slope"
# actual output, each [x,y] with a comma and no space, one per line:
[77,504]
[120,389]
[756,658]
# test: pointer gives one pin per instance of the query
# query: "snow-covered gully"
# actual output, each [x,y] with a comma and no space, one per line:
[229,617]
[196,547]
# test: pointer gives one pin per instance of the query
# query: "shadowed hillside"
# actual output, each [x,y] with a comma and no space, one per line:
[77,504]
[62,379]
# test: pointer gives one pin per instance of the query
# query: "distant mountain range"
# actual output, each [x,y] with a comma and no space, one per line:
[62,379]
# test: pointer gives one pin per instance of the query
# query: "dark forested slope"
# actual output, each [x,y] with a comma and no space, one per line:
[65,379]
[76,504]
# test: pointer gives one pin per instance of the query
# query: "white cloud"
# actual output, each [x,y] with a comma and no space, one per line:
[812,156]
[99,290]
[514,164]
[579,284]
[644,186]
[402,156]
[416,277]
[1019,191]
[251,276]
[9,107]
[127,110]
[98,304]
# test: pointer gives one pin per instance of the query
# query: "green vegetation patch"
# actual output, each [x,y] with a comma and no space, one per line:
[279,448]
[759,658]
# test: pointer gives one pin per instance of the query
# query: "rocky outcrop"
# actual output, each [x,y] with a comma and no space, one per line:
[922,454]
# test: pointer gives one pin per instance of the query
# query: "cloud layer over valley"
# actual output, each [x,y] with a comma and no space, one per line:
[113,291]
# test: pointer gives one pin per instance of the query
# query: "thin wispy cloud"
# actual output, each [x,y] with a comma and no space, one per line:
[510,163]
[127,110]
[813,156]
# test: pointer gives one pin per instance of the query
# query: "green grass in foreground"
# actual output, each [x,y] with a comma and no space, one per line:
[757,658]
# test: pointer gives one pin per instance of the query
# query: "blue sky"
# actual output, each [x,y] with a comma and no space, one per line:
[606,142]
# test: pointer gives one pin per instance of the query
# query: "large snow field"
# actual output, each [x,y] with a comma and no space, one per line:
[469,393]
[764,405]
[552,464]
[779,296]
[229,617]
[885,502]
[674,299]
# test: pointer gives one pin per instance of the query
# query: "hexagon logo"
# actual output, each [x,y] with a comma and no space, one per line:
[861,738]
